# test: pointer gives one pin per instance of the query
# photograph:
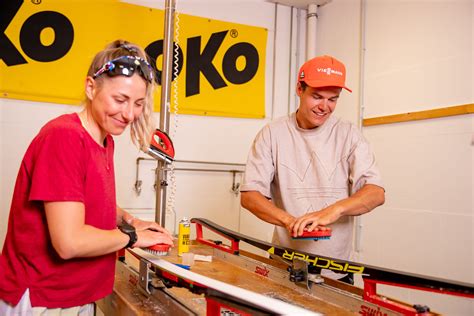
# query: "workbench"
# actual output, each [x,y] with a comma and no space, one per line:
[128,299]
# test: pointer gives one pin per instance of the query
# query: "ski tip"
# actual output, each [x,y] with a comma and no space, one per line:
[158,249]
[315,235]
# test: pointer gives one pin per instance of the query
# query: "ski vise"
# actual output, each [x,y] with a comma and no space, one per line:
[370,294]
[301,276]
[233,248]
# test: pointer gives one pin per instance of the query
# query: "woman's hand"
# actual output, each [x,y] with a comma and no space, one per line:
[150,233]
[146,225]
[147,238]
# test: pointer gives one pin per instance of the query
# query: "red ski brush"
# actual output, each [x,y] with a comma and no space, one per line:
[158,249]
[315,235]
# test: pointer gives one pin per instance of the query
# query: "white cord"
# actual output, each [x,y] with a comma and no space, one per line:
[170,203]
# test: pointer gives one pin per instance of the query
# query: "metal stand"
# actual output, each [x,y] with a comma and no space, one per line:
[166,78]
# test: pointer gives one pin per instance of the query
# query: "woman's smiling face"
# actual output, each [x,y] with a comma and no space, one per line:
[116,102]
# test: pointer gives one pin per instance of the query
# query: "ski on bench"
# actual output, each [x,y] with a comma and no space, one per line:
[371,275]
[219,295]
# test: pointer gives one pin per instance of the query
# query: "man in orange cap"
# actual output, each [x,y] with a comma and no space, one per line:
[310,170]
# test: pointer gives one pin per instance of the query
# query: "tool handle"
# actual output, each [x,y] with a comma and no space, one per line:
[162,142]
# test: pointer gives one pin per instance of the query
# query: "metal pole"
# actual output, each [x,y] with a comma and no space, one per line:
[166,78]
[363,26]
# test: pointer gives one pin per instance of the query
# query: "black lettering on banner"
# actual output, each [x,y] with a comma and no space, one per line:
[229,64]
[155,49]
[30,33]
[198,62]
[8,52]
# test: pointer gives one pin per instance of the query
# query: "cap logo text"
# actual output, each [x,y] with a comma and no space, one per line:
[330,71]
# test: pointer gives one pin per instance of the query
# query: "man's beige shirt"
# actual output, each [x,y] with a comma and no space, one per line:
[304,171]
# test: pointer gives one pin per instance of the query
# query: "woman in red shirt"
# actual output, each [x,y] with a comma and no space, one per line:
[63,228]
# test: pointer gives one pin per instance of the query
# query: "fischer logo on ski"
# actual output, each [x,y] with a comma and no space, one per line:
[319,262]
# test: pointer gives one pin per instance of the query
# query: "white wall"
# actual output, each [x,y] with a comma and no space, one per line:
[427,222]
[342,40]
[419,56]
[426,225]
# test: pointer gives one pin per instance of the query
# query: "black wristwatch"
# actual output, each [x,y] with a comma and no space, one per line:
[129,230]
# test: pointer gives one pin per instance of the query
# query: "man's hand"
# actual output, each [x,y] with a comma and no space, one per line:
[361,202]
[289,221]
[315,221]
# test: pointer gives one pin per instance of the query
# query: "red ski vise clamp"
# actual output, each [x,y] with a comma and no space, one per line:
[161,147]
[370,295]
[233,248]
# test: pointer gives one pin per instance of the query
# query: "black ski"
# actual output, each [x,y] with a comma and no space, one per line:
[379,275]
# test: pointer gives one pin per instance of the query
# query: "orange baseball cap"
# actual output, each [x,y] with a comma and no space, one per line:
[323,71]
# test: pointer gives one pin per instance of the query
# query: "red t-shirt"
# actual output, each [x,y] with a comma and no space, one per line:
[62,163]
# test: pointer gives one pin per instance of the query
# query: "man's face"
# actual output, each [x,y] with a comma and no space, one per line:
[316,105]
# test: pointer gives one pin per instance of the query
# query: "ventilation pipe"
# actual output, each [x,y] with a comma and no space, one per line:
[311,28]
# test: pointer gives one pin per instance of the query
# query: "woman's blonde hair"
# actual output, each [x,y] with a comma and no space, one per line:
[142,128]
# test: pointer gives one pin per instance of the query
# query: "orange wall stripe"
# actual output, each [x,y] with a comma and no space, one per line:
[421,115]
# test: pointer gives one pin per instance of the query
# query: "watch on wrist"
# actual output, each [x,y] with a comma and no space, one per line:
[129,230]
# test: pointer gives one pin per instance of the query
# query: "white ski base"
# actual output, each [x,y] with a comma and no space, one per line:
[259,300]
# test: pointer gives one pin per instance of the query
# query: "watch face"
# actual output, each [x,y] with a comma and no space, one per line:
[126,227]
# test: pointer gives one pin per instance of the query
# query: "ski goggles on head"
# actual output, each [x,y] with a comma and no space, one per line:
[126,66]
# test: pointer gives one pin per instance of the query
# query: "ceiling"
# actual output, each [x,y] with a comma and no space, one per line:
[302,4]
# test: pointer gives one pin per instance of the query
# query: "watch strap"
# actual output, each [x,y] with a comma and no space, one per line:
[129,230]
[133,239]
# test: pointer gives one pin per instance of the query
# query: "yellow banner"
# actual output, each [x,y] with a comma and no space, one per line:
[46,47]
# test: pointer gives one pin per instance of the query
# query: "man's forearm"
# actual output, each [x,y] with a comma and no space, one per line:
[363,201]
[261,207]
